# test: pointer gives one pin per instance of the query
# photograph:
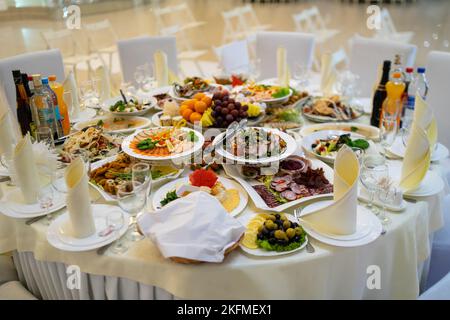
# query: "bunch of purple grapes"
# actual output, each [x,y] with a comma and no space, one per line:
[226,110]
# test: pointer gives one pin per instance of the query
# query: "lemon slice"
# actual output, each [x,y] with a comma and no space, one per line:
[249,240]
[254,225]
[264,216]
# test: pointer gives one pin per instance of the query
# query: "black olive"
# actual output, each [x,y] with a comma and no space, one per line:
[260,236]
[272,240]
[277,216]
[294,225]
[265,231]
[272,233]
[279,223]
[296,238]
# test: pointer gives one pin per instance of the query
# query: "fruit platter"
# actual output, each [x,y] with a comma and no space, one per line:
[230,194]
[269,235]
[295,181]
[329,109]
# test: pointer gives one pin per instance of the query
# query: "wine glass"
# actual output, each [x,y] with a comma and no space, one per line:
[386,194]
[45,135]
[373,171]
[388,131]
[90,93]
[115,220]
[132,197]
[45,199]
[149,78]
[301,75]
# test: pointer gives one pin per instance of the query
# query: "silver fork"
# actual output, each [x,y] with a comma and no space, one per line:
[309,246]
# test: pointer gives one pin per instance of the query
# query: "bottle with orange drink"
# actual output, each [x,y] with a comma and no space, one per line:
[59,91]
[392,105]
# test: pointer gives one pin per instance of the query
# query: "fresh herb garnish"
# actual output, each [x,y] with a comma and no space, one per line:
[170,196]
[353,129]
[192,136]
[100,123]
[157,174]
[123,176]
[290,115]
[282,92]
[358,143]
[147,144]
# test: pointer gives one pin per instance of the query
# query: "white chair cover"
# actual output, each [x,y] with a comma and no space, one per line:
[44,62]
[139,51]
[234,57]
[366,56]
[299,48]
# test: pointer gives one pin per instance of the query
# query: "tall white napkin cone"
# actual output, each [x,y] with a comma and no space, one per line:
[78,202]
[327,74]
[424,117]
[26,174]
[161,68]
[416,160]
[102,73]
[283,72]
[70,84]
[6,135]
[339,218]
[194,227]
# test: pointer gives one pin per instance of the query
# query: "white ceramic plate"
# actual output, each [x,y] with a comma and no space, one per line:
[4,172]
[15,207]
[59,232]
[291,147]
[143,123]
[247,184]
[319,118]
[160,194]
[368,228]
[208,92]
[108,103]
[84,115]
[369,132]
[109,197]
[264,253]
[398,149]
[197,146]
[157,91]
[310,139]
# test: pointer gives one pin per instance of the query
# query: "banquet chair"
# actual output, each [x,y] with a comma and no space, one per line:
[43,62]
[233,29]
[234,57]
[64,41]
[10,287]
[138,51]
[388,30]
[250,20]
[366,56]
[299,48]
[439,291]
[184,17]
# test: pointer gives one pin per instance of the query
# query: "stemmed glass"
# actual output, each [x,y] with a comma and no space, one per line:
[374,170]
[301,75]
[115,220]
[386,194]
[90,93]
[45,199]
[132,197]
[144,77]
[388,131]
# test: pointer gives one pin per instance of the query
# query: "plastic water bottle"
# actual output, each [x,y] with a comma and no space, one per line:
[421,83]
[418,86]
[409,79]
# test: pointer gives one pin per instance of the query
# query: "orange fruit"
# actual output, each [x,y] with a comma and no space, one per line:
[199,96]
[200,106]
[187,114]
[195,116]
[183,107]
[207,100]
[190,103]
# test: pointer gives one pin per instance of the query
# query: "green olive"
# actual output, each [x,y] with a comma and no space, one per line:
[286,224]
[271,217]
[298,230]
[290,233]
[280,234]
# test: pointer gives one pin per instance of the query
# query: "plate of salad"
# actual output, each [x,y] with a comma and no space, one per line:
[326,144]
[131,107]
[267,93]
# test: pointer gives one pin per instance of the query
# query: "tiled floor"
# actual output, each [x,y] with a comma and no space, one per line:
[428,19]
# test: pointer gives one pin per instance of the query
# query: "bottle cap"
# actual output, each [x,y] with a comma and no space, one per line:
[44,80]
[409,70]
[421,70]
[52,77]
[30,78]
[37,80]
[396,75]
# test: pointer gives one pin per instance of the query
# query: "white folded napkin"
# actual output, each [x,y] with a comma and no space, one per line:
[282,67]
[26,174]
[6,135]
[424,117]
[161,68]
[195,227]
[78,202]
[70,84]
[327,74]
[339,218]
[416,160]
[102,73]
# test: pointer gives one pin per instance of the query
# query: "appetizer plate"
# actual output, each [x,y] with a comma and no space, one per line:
[291,147]
[368,228]
[135,123]
[15,207]
[308,101]
[398,149]
[154,92]
[59,233]
[84,115]
[369,132]
[181,99]
[108,103]
[197,147]
[160,194]
[247,184]
[310,139]
[265,253]
[109,197]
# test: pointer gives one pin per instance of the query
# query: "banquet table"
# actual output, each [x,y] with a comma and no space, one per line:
[143,273]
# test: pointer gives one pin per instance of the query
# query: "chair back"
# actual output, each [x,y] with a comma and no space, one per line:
[234,57]
[100,35]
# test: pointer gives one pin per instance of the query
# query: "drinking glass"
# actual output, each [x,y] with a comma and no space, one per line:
[301,75]
[90,93]
[388,131]
[132,197]
[45,199]
[140,172]
[45,135]
[374,171]
[116,220]
[386,194]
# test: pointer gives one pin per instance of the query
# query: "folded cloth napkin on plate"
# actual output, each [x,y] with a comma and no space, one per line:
[70,85]
[416,160]
[327,74]
[339,217]
[161,68]
[26,174]
[424,117]
[6,135]
[283,72]
[102,73]
[78,201]
[195,227]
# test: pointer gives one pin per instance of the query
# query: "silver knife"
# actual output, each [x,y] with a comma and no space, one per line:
[35,219]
